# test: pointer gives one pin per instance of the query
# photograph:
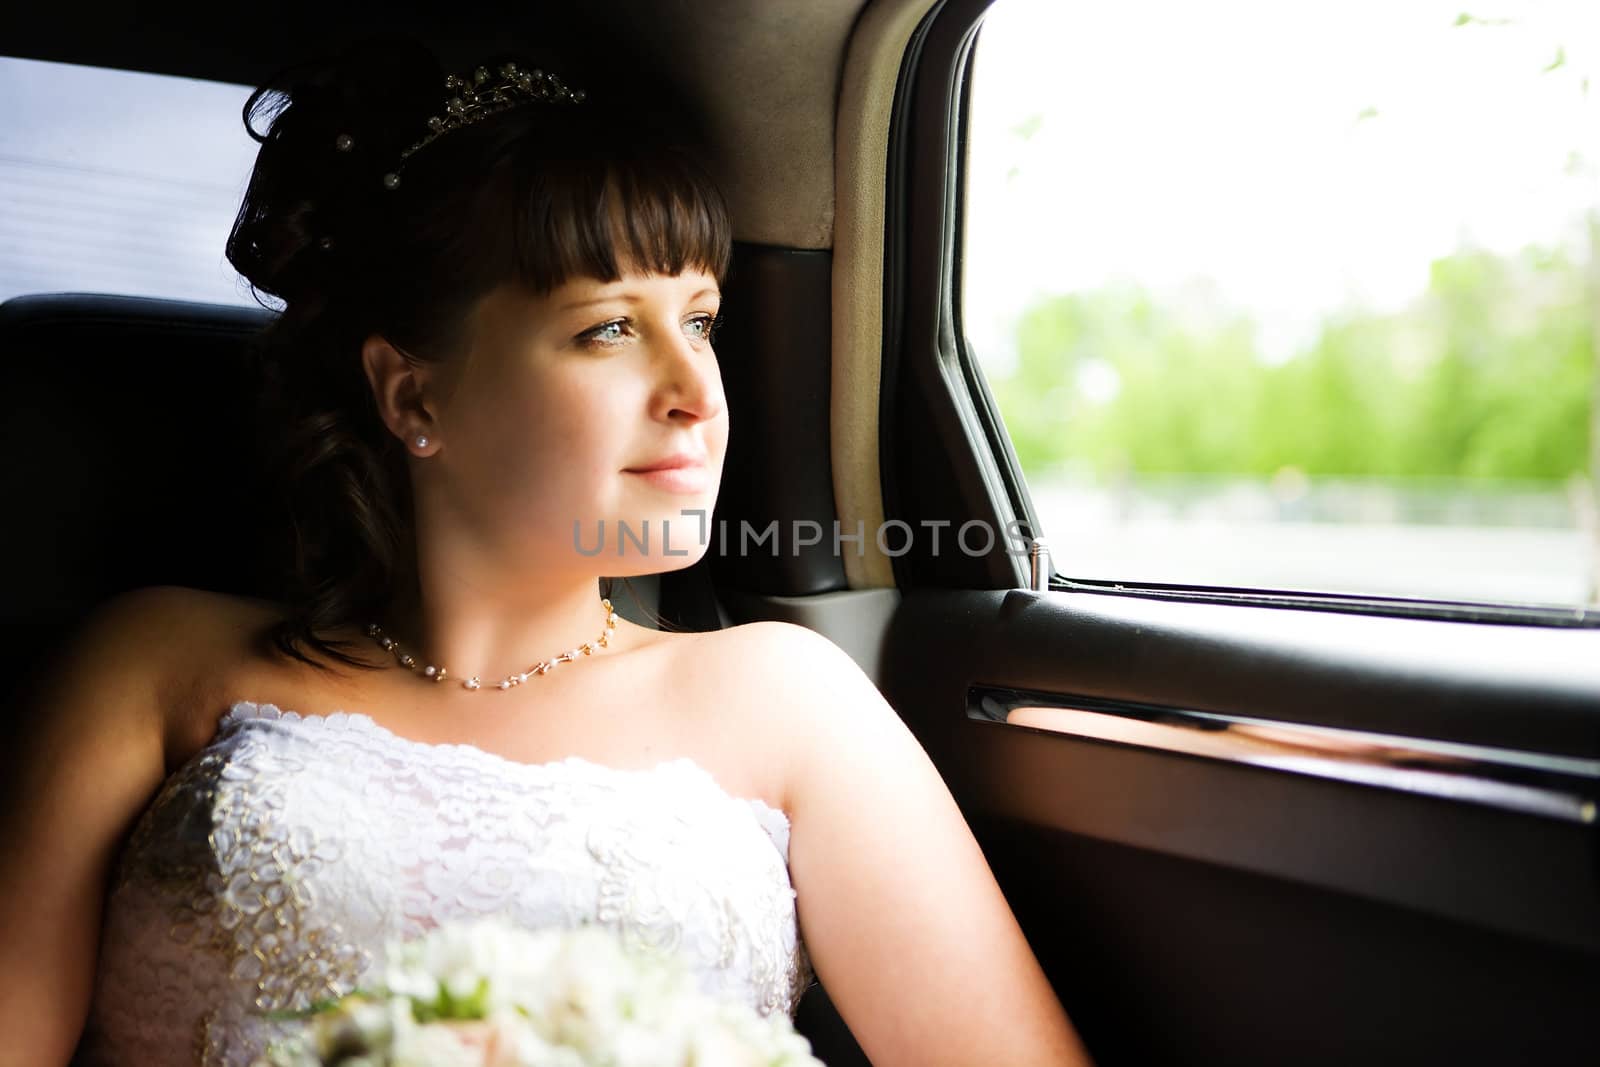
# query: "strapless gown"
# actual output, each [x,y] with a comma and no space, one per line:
[269,871]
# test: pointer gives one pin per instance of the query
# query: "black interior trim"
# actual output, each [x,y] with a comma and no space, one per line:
[774,348]
[1160,959]
[1008,468]
[171,40]
[1510,687]
[938,463]
[128,430]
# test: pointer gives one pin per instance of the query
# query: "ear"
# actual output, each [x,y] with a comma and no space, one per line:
[400,386]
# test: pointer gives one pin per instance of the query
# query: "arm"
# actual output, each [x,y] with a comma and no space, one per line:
[88,758]
[900,913]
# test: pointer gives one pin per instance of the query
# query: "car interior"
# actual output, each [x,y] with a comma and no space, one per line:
[1237,826]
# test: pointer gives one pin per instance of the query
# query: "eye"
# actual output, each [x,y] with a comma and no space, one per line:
[705,326]
[607,333]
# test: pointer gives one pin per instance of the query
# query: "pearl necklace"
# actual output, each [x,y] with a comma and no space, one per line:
[438,674]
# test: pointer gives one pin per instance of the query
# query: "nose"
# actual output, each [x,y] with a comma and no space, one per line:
[689,382]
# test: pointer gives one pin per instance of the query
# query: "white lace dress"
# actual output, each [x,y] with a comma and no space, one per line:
[270,869]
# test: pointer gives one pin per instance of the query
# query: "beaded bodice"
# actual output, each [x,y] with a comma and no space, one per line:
[269,871]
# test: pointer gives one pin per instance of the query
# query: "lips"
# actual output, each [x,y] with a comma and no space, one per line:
[676,461]
[681,472]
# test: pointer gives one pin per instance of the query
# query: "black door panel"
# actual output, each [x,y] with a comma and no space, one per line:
[1163,960]
[1194,909]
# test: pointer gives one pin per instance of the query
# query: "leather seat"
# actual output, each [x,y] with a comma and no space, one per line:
[127,459]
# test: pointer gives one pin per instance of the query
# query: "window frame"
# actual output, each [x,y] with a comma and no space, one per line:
[946,454]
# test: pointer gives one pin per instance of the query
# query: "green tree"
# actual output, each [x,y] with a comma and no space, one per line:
[1487,375]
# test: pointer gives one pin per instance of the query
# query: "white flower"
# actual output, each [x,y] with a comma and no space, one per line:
[491,994]
[519,1045]
[446,1045]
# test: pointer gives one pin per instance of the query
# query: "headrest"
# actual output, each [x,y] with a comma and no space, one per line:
[125,451]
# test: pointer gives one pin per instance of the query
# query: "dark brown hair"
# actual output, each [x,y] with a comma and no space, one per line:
[533,195]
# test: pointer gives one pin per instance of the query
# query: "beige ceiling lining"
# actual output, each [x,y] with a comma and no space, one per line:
[765,76]
[866,101]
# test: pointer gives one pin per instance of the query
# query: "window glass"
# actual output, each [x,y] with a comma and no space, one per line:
[1295,299]
[119,182]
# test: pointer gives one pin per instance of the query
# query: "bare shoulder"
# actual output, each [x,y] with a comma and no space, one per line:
[116,667]
[792,656]
[108,686]
[137,630]
[144,604]
[177,606]
[164,644]
[811,696]
[797,665]
[168,629]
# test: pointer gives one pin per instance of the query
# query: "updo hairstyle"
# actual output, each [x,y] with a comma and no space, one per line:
[533,195]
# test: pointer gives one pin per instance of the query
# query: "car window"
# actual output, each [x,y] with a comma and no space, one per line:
[1294,302]
[119,182]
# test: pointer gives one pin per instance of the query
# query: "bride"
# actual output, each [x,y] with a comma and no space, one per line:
[500,296]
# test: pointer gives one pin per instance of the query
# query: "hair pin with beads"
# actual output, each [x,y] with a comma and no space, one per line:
[475,97]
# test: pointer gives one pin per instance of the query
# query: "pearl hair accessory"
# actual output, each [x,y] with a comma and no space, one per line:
[471,98]
[438,674]
[474,97]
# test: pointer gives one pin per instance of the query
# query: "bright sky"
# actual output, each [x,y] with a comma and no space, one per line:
[1179,141]
[119,182]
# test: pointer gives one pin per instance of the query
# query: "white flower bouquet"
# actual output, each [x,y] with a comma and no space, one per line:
[489,994]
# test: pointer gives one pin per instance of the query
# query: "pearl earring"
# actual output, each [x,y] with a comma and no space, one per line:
[422,440]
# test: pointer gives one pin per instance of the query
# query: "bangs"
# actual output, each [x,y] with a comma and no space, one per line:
[650,210]
[535,199]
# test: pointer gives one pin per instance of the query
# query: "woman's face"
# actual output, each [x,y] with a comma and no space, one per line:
[547,428]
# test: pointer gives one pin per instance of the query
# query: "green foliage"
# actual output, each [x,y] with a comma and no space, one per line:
[1464,19]
[1488,375]
[447,1005]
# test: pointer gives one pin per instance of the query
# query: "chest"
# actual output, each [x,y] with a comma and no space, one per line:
[676,700]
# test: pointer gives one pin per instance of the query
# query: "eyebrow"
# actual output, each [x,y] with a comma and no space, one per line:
[626,299]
